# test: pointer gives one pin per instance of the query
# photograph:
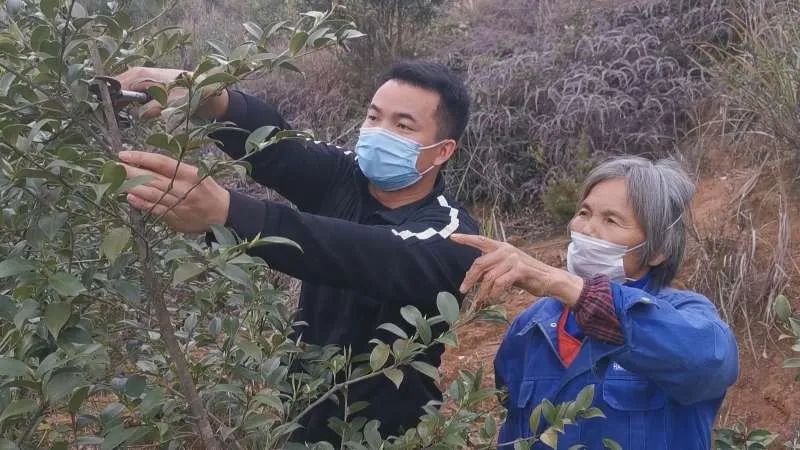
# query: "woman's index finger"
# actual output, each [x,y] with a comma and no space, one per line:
[481,243]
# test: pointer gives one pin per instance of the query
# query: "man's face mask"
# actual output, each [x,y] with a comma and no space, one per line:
[388,160]
[588,256]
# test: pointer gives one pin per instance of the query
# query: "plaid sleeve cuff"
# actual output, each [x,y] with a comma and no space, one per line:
[595,311]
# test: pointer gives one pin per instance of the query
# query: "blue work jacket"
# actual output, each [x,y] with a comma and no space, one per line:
[661,389]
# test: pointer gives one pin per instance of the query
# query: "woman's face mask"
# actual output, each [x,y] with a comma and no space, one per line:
[389,160]
[588,256]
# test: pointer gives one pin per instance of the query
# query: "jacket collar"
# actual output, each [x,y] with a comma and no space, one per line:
[548,313]
[400,215]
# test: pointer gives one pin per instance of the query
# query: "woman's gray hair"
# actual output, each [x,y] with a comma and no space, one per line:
[660,193]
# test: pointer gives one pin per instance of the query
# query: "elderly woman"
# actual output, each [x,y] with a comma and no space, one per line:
[660,359]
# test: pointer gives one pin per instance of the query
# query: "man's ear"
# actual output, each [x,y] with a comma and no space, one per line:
[445,151]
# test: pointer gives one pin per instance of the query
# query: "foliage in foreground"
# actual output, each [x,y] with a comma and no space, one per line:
[116,331]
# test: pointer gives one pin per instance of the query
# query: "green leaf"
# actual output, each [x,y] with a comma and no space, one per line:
[221,77]
[298,41]
[8,308]
[186,271]
[268,398]
[289,66]
[6,444]
[782,307]
[135,385]
[15,266]
[410,314]
[258,137]
[611,444]
[585,397]
[795,324]
[219,47]
[424,330]
[164,142]
[66,284]
[113,174]
[236,274]
[550,438]
[135,181]
[19,407]
[117,436]
[48,7]
[394,329]
[761,437]
[535,418]
[372,435]
[78,11]
[100,190]
[448,338]
[791,363]
[493,313]
[275,240]
[593,412]
[378,357]
[56,316]
[29,310]
[62,383]
[77,399]
[549,411]
[489,426]
[223,235]
[276,27]
[250,349]
[351,34]
[12,368]
[426,369]
[159,94]
[52,224]
[256,422]
[115,242]
[448,307]
[396,375]
[254,30]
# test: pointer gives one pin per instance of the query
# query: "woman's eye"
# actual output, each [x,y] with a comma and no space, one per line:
[372,118]
[611,221]
[403,126]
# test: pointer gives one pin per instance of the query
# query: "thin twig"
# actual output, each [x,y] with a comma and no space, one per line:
[153,285]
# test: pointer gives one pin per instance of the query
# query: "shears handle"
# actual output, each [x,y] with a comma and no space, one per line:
[117,93]
[133,96]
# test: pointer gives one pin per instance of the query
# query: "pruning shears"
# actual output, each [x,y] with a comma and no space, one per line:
[118,95]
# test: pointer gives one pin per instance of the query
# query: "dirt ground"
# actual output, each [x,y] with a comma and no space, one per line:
[765,395]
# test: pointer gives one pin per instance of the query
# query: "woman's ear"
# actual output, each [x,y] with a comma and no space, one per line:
[657,260]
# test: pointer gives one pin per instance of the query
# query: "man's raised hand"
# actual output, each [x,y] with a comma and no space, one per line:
[141,78]
[175,193]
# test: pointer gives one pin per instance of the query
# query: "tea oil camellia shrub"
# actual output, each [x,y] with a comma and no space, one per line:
[114,330]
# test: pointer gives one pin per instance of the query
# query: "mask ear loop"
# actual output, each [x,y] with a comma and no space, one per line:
[675,222]
[427,147]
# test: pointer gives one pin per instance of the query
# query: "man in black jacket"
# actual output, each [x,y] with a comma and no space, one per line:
[373,223]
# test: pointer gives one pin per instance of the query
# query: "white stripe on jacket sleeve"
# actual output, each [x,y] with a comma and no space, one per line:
[445,232]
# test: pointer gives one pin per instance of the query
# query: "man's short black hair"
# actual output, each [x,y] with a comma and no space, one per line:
[453,109]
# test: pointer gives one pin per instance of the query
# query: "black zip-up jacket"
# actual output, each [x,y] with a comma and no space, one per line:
[360,263]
